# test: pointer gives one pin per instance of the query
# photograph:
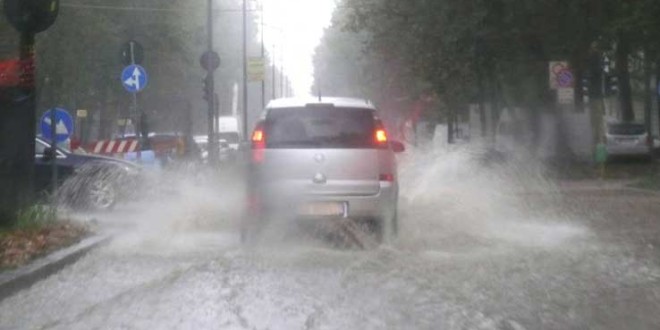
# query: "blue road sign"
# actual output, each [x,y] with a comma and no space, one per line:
[134,78]
[565,78]
[63,125]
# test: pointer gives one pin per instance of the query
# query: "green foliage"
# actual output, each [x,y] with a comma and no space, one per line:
[35,217]
[456,46]
[80,55]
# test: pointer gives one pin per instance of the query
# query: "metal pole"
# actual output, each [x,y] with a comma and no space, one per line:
[274,77]
[263,59]
[245,78]
[136,114]
[17,132]
[53,164]
[213,148]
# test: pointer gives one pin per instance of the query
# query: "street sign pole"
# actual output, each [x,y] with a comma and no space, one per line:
[53,164]
[136,111]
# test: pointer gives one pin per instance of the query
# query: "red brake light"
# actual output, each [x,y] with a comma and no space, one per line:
[380,133]
[259,137]
[381,136]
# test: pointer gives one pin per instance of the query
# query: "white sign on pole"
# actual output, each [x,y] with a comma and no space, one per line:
[566,96]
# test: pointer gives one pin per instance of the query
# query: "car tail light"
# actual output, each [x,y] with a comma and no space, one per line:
[389,177]
[380,134]
[258,143]
[259,137]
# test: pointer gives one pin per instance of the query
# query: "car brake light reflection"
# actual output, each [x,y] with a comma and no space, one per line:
[258,144]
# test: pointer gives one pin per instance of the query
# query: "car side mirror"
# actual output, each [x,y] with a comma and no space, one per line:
[49,154]
[397,146]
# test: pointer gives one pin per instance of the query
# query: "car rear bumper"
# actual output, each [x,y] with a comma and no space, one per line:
[377,206]
[628,150]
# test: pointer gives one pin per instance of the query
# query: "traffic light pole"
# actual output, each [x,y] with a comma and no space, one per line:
[18,129]
[17,132]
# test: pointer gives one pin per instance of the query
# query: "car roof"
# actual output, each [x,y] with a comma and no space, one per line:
[339,102]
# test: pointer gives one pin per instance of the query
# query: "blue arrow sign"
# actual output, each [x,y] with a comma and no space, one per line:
[63,125]
[134,78]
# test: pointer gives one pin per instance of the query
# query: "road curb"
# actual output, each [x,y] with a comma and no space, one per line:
[24,277]
[644,190]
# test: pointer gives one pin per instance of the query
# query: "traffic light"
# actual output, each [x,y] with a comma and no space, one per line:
[611,85]
[31,16]
[585,90]
[208,88]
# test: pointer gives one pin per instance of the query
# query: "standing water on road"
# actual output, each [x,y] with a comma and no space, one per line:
[481,246]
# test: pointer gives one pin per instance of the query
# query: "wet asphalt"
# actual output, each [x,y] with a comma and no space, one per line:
[469,256]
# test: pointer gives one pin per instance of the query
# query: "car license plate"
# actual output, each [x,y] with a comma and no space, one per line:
[322,209]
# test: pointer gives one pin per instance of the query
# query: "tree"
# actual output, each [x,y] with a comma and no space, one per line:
[496,51]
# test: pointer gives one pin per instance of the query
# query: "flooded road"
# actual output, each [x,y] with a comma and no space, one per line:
[479,248]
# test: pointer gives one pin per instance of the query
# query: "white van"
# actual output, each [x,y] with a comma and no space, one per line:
[228,130]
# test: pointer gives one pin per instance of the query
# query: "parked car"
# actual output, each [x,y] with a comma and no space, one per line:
[229,131]
[628,139]
[84,180]
[322,159]
[226,153]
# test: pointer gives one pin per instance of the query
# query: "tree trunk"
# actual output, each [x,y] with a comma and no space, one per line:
[450,124]
[648,94]
[657,85]
[623,73]
[596,96]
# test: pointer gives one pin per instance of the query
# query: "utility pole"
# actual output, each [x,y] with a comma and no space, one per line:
[210,66]
[245,77]
[263,59]
[274,75]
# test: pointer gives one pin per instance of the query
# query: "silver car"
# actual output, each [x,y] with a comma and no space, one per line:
[628,139]
[323,160]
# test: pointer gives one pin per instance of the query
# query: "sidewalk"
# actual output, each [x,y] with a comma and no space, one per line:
[602,186]
[27,275]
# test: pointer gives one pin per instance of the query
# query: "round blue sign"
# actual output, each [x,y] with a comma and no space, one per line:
[63,125]
[565,78]
[134,78]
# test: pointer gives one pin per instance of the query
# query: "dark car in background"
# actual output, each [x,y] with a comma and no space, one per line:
[84,181]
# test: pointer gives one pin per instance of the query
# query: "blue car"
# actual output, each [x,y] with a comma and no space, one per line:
[84,181]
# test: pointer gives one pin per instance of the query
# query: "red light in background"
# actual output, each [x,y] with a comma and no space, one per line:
[386,177]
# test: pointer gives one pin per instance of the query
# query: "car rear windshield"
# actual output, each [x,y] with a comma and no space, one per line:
[626,129]
[320,127]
